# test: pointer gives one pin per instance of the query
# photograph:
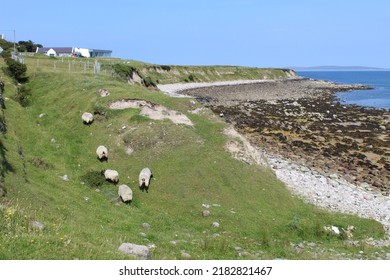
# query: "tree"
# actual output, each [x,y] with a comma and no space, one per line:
[28,46]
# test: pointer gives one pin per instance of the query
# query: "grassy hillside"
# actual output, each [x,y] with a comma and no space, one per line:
[162,74]
[82,216]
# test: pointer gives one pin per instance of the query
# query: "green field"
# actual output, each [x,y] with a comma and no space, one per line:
[82,216]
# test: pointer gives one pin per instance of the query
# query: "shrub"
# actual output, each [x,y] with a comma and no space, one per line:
[17,70]
[93,179]
[22,96]
[165,67]
[123,71]
[149,82]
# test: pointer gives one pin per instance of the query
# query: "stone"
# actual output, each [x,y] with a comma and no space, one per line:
[37,225]
[185,255]
[135,250]
[215,224]
[65,177]
[125,193]
[103,92]
[146,226]
[205,213]
[335,230]
[321,138]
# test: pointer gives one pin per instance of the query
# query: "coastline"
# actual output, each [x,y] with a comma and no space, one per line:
[270,114]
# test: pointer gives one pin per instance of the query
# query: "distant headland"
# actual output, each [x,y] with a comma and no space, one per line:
[339,68]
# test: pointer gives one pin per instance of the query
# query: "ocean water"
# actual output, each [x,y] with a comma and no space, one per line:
[379,97]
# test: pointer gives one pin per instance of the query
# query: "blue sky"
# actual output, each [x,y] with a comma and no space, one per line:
[260,33]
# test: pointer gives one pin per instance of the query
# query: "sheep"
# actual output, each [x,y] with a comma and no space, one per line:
[102,153]
[144,179]
[87,118]
[111,175]
[125,193]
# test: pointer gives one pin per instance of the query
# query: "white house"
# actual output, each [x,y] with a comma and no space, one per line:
[55,51]
[81,52]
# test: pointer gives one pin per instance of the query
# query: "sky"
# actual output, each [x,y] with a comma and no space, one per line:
[257,33]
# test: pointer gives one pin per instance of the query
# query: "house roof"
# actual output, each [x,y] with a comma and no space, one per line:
[57,50]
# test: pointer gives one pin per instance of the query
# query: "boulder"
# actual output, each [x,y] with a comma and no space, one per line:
[125,193]
[138,251]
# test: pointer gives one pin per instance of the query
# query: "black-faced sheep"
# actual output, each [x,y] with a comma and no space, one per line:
[144,179]
[111,175]
[87,118]
[125,193]
[102,153]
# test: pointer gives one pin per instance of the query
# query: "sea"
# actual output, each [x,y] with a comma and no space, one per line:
[378,97]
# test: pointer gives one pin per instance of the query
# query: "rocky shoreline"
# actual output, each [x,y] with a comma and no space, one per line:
[332,155]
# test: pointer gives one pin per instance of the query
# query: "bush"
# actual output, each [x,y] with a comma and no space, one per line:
[93,179]
[22,96]
[165,67]
[149,82]
[6,54]
[17,70]
[123,71]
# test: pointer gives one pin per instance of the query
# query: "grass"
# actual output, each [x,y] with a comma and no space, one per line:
[190,166]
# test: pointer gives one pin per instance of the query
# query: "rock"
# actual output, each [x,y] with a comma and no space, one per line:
[382,127]
[215,224]
[321,138]
[103,92]
[335,230]
[65,177]
[129,150]
[125,193]
[138,251]
[146,226]
[205,213]
[332,230]
[185,255]
[37,225]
